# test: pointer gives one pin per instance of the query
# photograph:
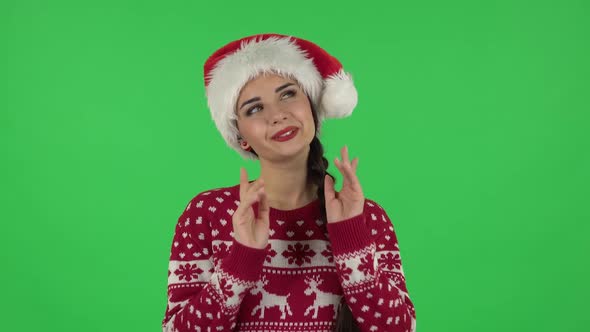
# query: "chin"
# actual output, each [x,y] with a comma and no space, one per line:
[290,152]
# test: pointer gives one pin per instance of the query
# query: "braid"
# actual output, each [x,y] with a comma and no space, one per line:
[317,166]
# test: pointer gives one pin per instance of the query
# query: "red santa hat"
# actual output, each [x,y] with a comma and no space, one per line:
[320,75]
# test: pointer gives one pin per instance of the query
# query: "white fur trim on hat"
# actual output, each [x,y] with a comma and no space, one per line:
[334,97]
[278,55]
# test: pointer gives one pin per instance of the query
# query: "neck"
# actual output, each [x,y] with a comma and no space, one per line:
[285,183]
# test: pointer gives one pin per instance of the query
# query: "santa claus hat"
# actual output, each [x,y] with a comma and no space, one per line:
[320,75]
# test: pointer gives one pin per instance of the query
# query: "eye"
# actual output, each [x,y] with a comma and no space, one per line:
[248,112]
[290,93]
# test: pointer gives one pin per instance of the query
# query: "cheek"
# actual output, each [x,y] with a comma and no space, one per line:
[301,108]
[257,128]
[248,128]
[303,115]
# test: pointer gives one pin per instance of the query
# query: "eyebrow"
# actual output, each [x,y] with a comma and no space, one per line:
[283,86]
[251,100]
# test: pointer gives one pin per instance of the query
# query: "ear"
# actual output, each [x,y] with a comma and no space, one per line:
[243,144]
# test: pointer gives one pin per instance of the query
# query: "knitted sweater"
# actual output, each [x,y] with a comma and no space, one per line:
[297,283]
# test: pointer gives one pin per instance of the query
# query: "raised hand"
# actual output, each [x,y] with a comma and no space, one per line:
[249,230]
[349,202]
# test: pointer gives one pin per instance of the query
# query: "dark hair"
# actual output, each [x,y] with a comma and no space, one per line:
[317,166]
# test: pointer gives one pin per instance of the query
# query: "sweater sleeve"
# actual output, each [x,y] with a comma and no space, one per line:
[201,295]
[367,258]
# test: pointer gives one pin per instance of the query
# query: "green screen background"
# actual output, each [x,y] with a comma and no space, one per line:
[471,131]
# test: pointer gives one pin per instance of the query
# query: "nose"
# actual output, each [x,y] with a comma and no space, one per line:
[278,114]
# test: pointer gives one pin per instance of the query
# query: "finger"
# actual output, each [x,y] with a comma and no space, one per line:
[344,151]
[349,176]
[243,181]
[341,167]
[355,163]
[248,200]
[328,188]
[262,225]
[256,186]
[338,165]
[263,209]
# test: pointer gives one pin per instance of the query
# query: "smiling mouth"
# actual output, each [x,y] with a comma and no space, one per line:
[287,136]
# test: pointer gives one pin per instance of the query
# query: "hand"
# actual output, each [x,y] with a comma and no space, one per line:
[248,230]
[349,202]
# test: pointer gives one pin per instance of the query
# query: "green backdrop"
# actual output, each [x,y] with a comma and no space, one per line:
[471,131]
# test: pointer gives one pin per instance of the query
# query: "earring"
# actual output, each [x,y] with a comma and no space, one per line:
[244,144]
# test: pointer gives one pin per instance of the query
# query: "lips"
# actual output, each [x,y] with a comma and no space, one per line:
[287,137]
[279,133]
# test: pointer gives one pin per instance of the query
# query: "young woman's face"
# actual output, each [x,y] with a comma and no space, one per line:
[268,104]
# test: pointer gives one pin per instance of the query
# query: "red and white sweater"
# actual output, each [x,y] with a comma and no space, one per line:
[296,283]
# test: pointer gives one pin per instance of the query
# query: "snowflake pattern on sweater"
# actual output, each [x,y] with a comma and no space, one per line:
[297,283]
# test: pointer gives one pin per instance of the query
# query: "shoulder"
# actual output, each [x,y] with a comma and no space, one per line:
[375,213]
[216,192]
[213,199]
[372,205]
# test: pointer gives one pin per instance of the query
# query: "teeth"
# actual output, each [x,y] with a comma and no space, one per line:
[287,133]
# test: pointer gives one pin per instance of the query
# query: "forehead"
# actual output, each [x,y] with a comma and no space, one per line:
[265,81]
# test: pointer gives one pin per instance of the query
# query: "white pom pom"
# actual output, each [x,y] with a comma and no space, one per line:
[339,97]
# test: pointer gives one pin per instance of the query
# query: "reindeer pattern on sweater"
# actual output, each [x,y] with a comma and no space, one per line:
[297,283]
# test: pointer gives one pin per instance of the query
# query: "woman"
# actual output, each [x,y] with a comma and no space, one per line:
[285,252]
